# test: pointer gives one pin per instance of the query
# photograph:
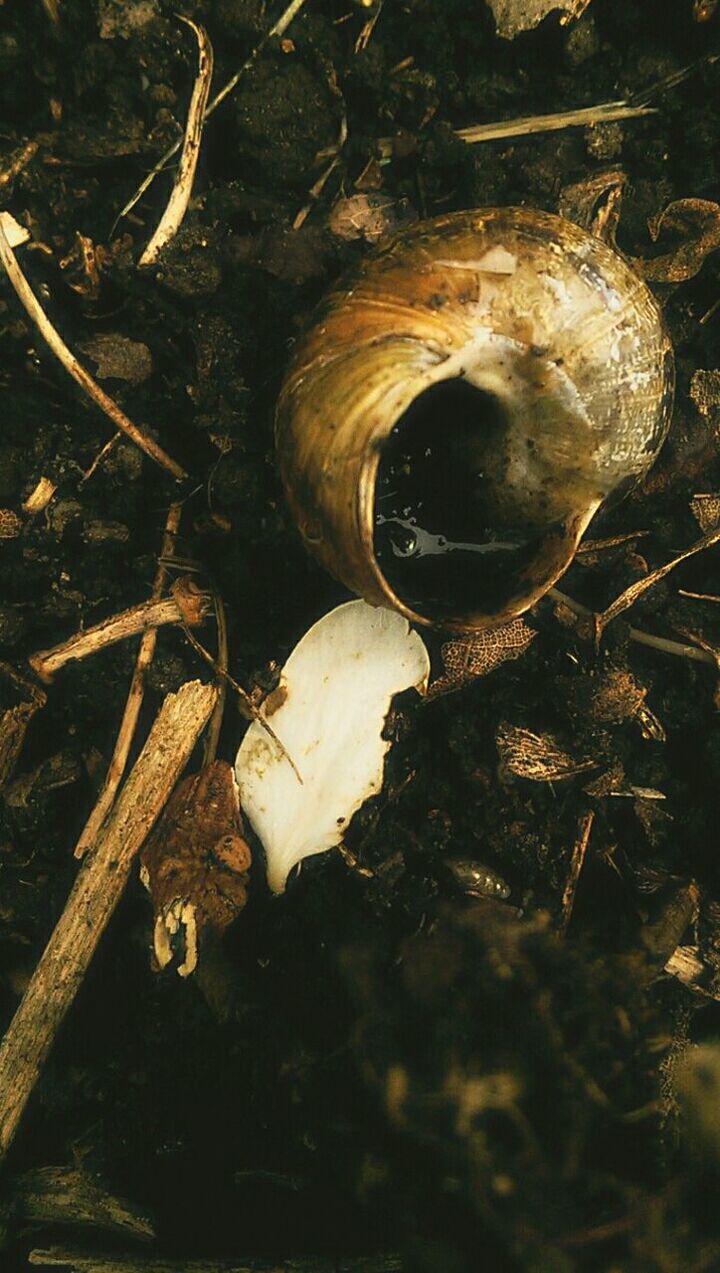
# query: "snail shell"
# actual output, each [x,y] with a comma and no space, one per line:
[486,381]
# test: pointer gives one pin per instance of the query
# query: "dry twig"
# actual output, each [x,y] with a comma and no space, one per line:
[57,346]
[88,1262]
[526,125]
[576,865]
[128,725]
[97,890]
[279,28]
[174,213]
[641,586]
[664,644]
[190,605]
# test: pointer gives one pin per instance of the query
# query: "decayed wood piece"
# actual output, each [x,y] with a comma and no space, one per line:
[69,1196]
[57,346]
[177,205]
[85,1262]
[97,889]
[187,605]
[136,693]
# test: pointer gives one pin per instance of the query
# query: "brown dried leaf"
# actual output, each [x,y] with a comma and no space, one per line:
[697,223]
[196,865]
[10,524]
[594,204]
[465,658]
[364,216]
[537,756]
[117,357]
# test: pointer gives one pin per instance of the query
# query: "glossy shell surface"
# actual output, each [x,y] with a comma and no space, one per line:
[525,306]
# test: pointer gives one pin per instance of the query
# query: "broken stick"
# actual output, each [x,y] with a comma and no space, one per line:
[99,885]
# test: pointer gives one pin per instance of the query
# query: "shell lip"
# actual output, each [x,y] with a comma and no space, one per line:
[557,552]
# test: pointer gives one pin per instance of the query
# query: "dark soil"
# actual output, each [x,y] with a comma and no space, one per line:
[378,1061]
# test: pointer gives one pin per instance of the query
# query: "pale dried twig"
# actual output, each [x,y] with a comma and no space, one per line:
[136,693]
[526,125]
[664,644]
[641,586]
[177,205]
[279,28]
[99,885]
[57,346]
[149,614]
[576,865]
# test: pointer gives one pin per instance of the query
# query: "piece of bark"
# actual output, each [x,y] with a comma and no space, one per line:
[70,1196]
[97,890]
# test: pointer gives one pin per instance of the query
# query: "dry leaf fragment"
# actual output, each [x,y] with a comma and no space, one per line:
[594,204]
[15,233]
[697,223]
[537,756]
[195,865]
[465,658]
[705,393]
[116,357]
[706,510]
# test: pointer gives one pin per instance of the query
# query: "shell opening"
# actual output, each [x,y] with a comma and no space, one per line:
[470,522]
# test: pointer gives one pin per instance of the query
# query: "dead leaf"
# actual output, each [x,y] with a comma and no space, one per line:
[706,510]
[697,224]
[538,757]
[119,358]
[465,658]
[641,586]
[195,866]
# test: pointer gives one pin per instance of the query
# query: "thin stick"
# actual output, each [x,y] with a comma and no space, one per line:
[58,347]
[576,865]
[149,614]
[177,206]
[664,644]
[636,590]
[94,896]
[20,160]
[100,458]
[212,737]
[526,125]
[136,693]
[279,28]
[98,1262]
[250,707]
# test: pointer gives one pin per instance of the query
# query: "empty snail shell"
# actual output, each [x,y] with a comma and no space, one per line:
[461,409]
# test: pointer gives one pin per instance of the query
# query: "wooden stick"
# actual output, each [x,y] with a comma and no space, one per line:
[576,865]
[57,346]
[177,206]
[90,1262]
[136,693]
[149,614]
[277,29]
[94,896]
[527,125]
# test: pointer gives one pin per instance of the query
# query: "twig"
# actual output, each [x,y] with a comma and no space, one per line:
[19,160]
[128,725]
[250,707]
[279,28]
[88,1262]
[172,217]
[100,458]
[58,347]
[149,614]
[664,644]
[641,586]
[698,596]
[576,865]
[526,125]
[52,9]
[94,896]
[212,736]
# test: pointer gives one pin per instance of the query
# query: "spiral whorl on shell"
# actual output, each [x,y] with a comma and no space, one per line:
[548,348]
